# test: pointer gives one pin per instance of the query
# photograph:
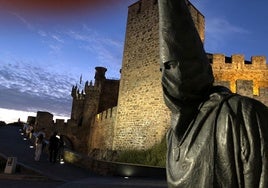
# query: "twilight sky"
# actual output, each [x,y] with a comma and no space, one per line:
[45,47]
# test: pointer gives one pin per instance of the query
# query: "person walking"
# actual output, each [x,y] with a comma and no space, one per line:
[38,147]
[42,131]
[53,148]
[61,148]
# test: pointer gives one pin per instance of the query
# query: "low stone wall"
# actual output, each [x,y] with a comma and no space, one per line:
[107,168]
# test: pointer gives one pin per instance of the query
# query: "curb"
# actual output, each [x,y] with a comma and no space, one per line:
[23,177]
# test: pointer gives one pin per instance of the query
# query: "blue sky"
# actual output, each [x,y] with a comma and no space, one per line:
[43,53]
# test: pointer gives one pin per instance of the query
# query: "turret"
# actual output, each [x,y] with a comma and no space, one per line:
[99,75]
[74,91]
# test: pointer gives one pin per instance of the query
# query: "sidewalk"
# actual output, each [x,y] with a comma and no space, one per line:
[12,144]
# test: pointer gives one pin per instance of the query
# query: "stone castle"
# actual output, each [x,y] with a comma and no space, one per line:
[130,113]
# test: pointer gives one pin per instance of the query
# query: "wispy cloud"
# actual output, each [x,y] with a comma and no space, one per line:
[57,38]
[220,31]
[42,33]
[55,49]
[107,50]
[35,80]
[85,40]
[24,86]
[24,21]
[224,27]
[52,39]
[80,36]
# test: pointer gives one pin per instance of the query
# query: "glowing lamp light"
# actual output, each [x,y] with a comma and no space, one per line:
[24,138]
[31,146]
[127,172]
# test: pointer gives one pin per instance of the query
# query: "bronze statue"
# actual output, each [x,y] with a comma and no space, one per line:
[216,138]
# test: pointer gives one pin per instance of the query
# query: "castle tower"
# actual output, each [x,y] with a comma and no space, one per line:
[92,96]
[77,106]
[100,75]
[91,105]
[86,102]
[43,119]
[142,117]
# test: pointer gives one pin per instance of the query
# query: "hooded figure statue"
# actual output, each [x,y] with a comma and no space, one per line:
[216,138]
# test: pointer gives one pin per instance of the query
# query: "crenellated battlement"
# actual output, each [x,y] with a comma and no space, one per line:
[91,88]
[102,131]
[145,9]
[106,115]
[141,6]
[235,68]
[76,94]
[237,62]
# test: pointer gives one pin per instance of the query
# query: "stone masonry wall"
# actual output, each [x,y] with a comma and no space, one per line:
[249,78]
[43,119]
[142,118]
[77,110]
[102,131]
[93,99]
[109,94]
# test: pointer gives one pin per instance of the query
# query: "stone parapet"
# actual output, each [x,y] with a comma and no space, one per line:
[236,68]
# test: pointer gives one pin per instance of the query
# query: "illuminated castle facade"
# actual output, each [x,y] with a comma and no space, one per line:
[130,113]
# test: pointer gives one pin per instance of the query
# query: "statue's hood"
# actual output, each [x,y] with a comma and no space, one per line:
[180,43]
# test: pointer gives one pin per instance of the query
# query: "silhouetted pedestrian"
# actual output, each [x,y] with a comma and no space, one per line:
[53,147]
[42,131]
[61,148]
[38,147]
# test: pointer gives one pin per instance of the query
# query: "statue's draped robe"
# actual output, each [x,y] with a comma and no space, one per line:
[226,144]
[216,139]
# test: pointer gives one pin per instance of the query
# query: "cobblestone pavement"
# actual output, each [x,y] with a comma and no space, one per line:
[13,144]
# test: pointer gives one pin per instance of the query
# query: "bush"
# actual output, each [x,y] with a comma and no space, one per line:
[155,156]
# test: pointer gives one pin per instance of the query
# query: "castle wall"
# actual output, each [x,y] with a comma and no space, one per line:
[101,132]
[94,98]
[109,95]
[43,119]
[76,136]
[77,109]
[263,95]
[84,139]
[59,123]
[249,78]
[31,120]
[245,88]
[142,118]
[91,105]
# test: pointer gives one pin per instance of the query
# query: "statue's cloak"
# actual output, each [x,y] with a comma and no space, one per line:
[225,145]
[216,139]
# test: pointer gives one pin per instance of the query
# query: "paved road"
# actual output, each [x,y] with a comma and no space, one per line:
[12,144]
